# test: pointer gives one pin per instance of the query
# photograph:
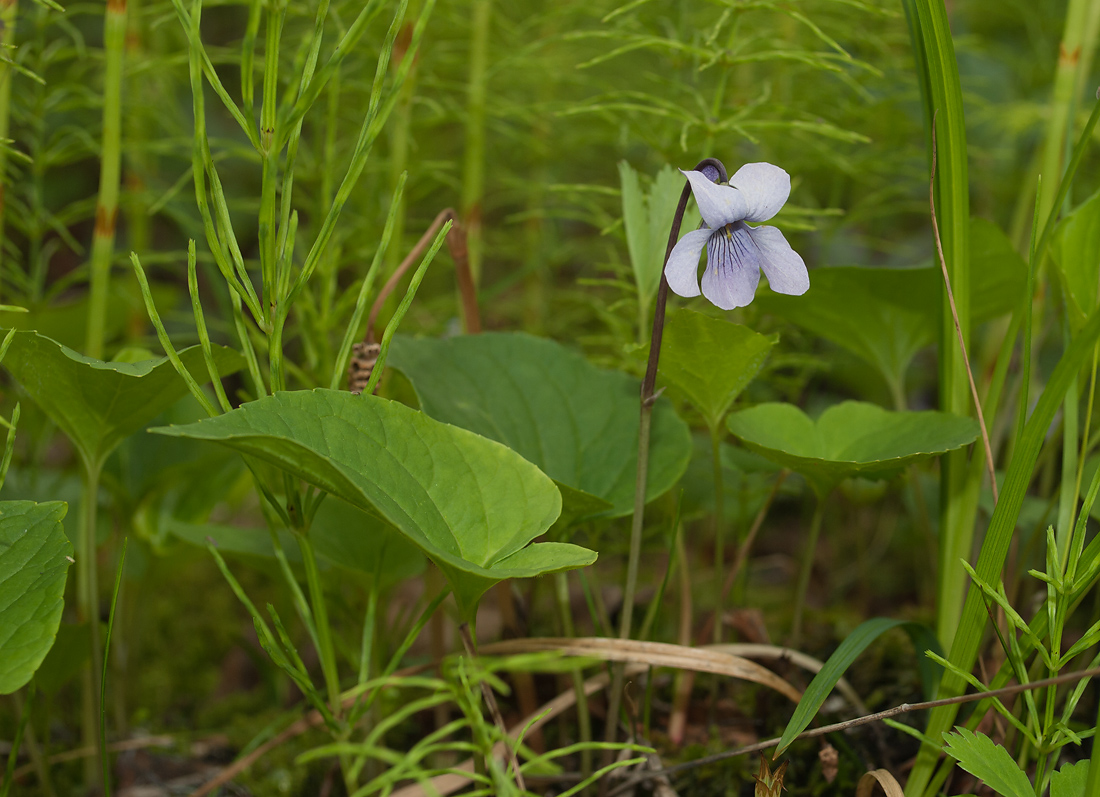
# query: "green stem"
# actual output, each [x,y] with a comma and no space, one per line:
[648,398]
[584,719]
[325,649]
[88,612]
[8,14]
[719,532]
[1066,504]
[106,212]
[473,169]
[806,570]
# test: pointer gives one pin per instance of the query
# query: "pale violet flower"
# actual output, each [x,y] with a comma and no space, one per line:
[737,252]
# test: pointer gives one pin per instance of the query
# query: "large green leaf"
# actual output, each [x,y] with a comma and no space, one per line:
[472,505]
[99,404]
[710,361]
[1076,251]
[851,438]
[34,561]
[577,422]
[988,761]
[886,315]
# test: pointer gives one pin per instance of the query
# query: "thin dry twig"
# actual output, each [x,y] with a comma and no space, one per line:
[955,315]
[865,720]
[87,752]
[456,245]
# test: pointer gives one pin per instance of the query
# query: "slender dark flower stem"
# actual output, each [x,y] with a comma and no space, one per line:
[714,169]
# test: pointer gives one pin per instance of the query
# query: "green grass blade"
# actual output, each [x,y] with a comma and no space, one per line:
[822,685]
[103,677]
[964,648]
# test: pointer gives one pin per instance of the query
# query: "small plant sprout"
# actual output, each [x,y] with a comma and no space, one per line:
[737,252]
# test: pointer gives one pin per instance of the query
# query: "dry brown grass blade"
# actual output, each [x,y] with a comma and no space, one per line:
[654,654]
[878,777]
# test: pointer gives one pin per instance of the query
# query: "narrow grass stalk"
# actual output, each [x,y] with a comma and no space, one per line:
[584,719]
[941,93]
[325,648]
[110,161]
[166,342]
[490,701]
[200,326]
[17,742]
[958,324]
[103,677]
[473,165]
[88,611]
[806,570]
[719,532]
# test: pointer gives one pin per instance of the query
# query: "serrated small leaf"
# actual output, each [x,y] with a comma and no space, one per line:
[988,761]
[1070,780]
[34,562]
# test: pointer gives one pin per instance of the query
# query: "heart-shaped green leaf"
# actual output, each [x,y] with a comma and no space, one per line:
[99,404]
[577,422]
[34,562]
[710,361]
[886,315]
[851,438]
[472,505]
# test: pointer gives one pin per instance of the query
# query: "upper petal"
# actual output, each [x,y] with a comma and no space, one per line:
[682,268]
[784,267]
[765,189]
[719,205]
[733,268]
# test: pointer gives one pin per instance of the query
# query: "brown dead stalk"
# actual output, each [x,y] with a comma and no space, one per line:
[365,353]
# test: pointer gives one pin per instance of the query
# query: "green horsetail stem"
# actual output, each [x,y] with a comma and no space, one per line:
[473,168]
[8,15]
[106,211]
